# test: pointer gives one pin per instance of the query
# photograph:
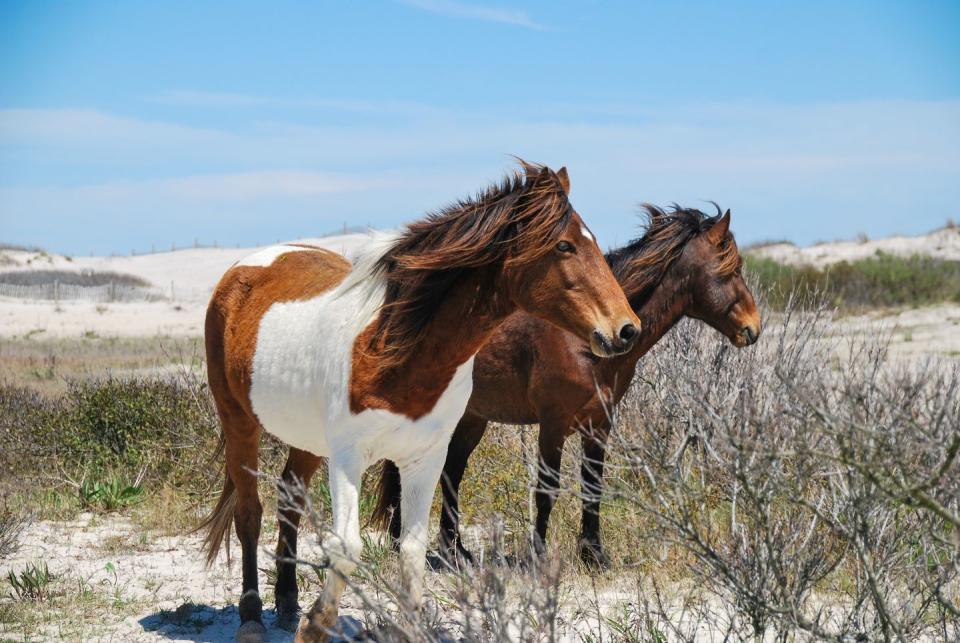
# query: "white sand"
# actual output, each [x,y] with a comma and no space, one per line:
[44,319]
[189,275]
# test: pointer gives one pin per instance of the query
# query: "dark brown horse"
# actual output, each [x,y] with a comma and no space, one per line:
[686,264]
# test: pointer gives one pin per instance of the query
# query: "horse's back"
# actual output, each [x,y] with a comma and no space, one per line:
[244,295]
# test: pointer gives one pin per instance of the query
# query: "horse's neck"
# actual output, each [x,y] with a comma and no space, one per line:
[457,331]
[662,309]
[460,327]
[658,313]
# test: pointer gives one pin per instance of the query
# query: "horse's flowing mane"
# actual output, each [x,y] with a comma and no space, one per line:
[641,265]
[513,222]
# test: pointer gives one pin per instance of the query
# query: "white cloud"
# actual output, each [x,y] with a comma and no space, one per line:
[65,127]
[476,12]
[222,100]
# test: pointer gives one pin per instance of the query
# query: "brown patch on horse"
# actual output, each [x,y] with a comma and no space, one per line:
[244,295]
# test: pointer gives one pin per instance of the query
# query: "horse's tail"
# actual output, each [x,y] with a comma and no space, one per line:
[388,495]
[218,522]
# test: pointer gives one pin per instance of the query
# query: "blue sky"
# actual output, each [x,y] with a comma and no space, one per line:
[137,124]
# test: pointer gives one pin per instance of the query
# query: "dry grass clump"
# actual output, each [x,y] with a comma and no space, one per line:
[71,278]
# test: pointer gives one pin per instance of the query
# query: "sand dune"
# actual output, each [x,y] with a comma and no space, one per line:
[185,277]
[942,244]
[192,272]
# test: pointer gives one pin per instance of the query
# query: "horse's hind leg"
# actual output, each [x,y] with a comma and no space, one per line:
[343,549]
[465,439]
[295,482]
[242,449]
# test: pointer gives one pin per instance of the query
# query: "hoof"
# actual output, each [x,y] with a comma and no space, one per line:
[456,556]
[593,555]
[288,611]
[251,632]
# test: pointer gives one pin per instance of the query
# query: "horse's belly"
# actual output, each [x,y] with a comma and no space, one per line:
[297,417]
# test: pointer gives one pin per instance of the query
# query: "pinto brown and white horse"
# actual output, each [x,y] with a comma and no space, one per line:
[361,362]
[686,264]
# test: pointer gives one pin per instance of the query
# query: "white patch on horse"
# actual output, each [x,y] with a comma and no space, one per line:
[586,233]
[300,389]
[265,257]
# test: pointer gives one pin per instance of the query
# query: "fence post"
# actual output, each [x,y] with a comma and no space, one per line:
[112,291]
[56,292]
[172,298]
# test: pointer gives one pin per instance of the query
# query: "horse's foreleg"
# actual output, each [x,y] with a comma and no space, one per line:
[293,487]
[591,487]
[552,436]
[419,482]
[343,548]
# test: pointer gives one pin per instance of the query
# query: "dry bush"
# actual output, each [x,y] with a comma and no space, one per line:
[11,526]
[808,487]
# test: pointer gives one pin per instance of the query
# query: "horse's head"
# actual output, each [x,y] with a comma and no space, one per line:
[556,270]
[720,297]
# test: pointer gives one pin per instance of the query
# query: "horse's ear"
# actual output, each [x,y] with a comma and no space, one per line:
[718,231]
[564,179]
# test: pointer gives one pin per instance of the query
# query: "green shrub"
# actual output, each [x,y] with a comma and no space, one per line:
[109,495]
[109,430]
[880,281]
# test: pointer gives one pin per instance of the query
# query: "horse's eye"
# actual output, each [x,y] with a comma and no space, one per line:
[565,246]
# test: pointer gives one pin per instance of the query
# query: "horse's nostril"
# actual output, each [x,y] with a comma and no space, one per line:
[628,332]
[751,334]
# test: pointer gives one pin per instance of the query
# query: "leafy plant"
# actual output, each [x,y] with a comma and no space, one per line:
[32,583]
[109,495]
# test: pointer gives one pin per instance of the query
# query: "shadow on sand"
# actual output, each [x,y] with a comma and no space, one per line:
[206,624]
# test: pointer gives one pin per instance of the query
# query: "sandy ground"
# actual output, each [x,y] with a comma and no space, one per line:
[159,586]
[942,244]
[44,319]
[151,588]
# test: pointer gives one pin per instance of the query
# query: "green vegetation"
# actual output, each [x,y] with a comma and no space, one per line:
[882,281]
[109,495]
[32,583]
